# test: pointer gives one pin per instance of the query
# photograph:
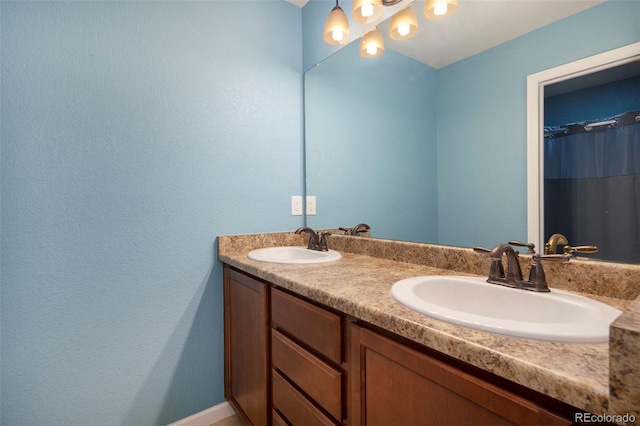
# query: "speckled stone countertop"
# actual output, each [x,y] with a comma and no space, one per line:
[359,285]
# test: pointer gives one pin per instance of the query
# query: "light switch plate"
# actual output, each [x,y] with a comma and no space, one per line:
[296,205]
[311,205]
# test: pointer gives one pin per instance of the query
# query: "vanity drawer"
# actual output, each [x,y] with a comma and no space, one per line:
[313,376]
[294,407]
[277,420]
[315,327]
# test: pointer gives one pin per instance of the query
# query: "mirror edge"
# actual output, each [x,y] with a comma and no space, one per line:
[535,111]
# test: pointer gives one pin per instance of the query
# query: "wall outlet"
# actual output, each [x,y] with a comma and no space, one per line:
[296,205]
[311,205]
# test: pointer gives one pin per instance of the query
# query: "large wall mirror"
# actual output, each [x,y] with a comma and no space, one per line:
[438,152]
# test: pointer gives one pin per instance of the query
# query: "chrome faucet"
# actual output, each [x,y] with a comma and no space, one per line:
[317,240]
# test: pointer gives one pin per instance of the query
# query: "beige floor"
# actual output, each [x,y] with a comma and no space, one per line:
[229,421]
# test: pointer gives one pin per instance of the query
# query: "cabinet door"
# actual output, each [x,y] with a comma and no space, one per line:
[395,384]
[246,326]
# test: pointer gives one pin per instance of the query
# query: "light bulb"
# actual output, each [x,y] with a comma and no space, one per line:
[372,44]
[440,8]
[336,28]
[404,29]
[404,24]
[367,10]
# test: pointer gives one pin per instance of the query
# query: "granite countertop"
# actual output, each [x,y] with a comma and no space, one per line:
[359,285]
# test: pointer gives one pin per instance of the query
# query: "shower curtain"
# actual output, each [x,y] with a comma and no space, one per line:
[592,186]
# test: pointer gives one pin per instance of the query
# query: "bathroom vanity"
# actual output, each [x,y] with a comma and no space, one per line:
[326,344]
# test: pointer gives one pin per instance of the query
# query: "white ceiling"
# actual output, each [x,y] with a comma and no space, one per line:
[299,3]
[478,25]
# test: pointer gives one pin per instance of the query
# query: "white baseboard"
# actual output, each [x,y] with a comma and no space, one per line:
[208,416]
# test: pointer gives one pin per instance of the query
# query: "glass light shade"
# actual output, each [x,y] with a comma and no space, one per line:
[366,11]
[372,45]
[438,9]
[336,28]
[404,25]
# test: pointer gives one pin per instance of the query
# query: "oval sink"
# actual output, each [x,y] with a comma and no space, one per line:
[293,254]
[558,316]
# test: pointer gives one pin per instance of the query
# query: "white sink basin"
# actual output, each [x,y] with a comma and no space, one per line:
[558,316]
[293,254]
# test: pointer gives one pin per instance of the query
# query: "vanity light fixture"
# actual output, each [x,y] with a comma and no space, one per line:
[372,45]
[438,9]
[404,25]
[336,28]
[366,11]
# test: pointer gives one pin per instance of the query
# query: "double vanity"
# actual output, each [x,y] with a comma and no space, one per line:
[311,340]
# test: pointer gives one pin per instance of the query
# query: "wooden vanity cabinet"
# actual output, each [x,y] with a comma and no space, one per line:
[306,357]
[246,353]
[292,362]
[396,384]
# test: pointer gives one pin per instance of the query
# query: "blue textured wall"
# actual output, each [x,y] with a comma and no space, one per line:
[134,133]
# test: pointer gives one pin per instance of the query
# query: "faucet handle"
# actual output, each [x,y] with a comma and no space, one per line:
[537,280]
[323,240]
[530,246]
[568,250]
[497,268]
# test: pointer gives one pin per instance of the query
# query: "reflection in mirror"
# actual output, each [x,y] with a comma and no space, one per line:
[442,158]
[591,162]
[589,185]
[359,167]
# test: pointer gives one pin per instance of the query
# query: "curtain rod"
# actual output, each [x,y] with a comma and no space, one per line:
[613,122]
[621,120]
